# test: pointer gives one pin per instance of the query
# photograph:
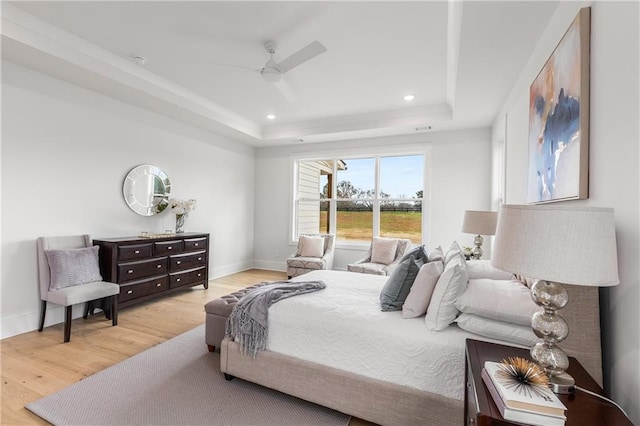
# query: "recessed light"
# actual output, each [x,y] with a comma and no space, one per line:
[408,98]
[271,116]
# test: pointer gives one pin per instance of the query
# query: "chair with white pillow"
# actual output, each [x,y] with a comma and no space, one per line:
[314,252]
[383,255]
[69,274]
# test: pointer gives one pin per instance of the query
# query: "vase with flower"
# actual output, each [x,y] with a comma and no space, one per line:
[181,208]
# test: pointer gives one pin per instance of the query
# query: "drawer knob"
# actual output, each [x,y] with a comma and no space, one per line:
[196,244]
[129,291]
[199,275]
[178,262]
[159,285]
[137,252]
[178,280]
[169,248]
[130,271]
[159,266]
[199,258]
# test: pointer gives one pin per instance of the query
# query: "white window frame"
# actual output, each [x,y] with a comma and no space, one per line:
[424,150]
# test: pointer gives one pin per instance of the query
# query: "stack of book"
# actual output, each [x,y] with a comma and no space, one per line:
[541,407]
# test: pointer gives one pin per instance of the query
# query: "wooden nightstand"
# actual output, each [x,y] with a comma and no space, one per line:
[582,408]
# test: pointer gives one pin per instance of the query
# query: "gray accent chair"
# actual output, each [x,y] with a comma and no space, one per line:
[298,265]
[69,296]
[366,266]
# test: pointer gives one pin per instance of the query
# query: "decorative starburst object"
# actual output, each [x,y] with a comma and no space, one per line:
[523,376]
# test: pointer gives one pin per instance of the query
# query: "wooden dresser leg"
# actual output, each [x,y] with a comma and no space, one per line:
[211,348]
[228,377]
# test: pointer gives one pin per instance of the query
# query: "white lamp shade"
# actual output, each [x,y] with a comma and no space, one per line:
[479,222]
[575,245]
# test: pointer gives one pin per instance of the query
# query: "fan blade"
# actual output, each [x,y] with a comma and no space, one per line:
[310,51]
[286,90]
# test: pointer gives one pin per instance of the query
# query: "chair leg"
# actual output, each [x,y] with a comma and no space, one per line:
[67,324]
[43,311]
[86,310]
[114,309]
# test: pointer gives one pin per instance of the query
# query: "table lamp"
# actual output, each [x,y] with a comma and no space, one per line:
[479,223]
[556,245]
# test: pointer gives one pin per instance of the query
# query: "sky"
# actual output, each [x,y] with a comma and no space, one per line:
[399,176]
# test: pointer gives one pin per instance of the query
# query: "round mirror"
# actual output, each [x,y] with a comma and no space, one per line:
[146,190]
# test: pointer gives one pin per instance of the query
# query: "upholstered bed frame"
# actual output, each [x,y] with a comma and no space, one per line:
[390,404]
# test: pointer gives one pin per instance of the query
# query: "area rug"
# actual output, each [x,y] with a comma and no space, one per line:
[176,383]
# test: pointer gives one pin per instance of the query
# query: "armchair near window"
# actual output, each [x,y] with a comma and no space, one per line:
[383,255]
[68,274]
[314,252]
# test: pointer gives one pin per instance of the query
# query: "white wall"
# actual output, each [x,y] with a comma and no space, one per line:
[613,169]
[459,175]
[65,153]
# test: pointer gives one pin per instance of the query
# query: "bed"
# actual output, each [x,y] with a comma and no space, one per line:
[336,348]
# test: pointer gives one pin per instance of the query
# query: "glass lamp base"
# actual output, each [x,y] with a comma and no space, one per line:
[477,251]
[562,384]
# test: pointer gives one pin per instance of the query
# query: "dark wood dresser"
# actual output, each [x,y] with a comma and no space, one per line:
[150,267]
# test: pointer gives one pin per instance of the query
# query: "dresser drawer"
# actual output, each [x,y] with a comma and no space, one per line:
[187,277]
[138,251]
[130,271]
[195,244]
[187,261]
[158,285]
[162,248]
[142,288]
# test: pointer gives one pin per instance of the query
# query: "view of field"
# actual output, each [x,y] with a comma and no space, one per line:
[356,225]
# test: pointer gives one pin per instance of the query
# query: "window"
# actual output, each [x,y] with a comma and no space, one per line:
[359,198]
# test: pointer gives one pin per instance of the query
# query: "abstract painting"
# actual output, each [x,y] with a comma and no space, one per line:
[559,119]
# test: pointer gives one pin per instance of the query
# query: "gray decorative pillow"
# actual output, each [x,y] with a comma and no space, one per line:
[398,286]
[419,253]
[71,267]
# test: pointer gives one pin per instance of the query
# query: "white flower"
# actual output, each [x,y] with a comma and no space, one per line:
[182,206]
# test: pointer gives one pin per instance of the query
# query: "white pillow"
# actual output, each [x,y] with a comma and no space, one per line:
[436,254]
[507,332]
[453,251]
[311,246]
[508,301]
[484,269]
[441,311]
[383,250]
[420,295]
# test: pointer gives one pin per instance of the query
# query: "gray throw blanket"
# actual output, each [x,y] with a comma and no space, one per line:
[248,321]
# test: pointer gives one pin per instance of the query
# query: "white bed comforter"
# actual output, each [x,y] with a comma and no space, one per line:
[342,327]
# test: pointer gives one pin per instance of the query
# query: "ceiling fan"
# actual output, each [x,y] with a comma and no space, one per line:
[273,71]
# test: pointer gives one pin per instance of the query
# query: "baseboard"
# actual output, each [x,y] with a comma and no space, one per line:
[270,265]
[223,271]
[26,322]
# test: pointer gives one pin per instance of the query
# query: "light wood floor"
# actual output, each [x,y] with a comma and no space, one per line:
[35,364]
